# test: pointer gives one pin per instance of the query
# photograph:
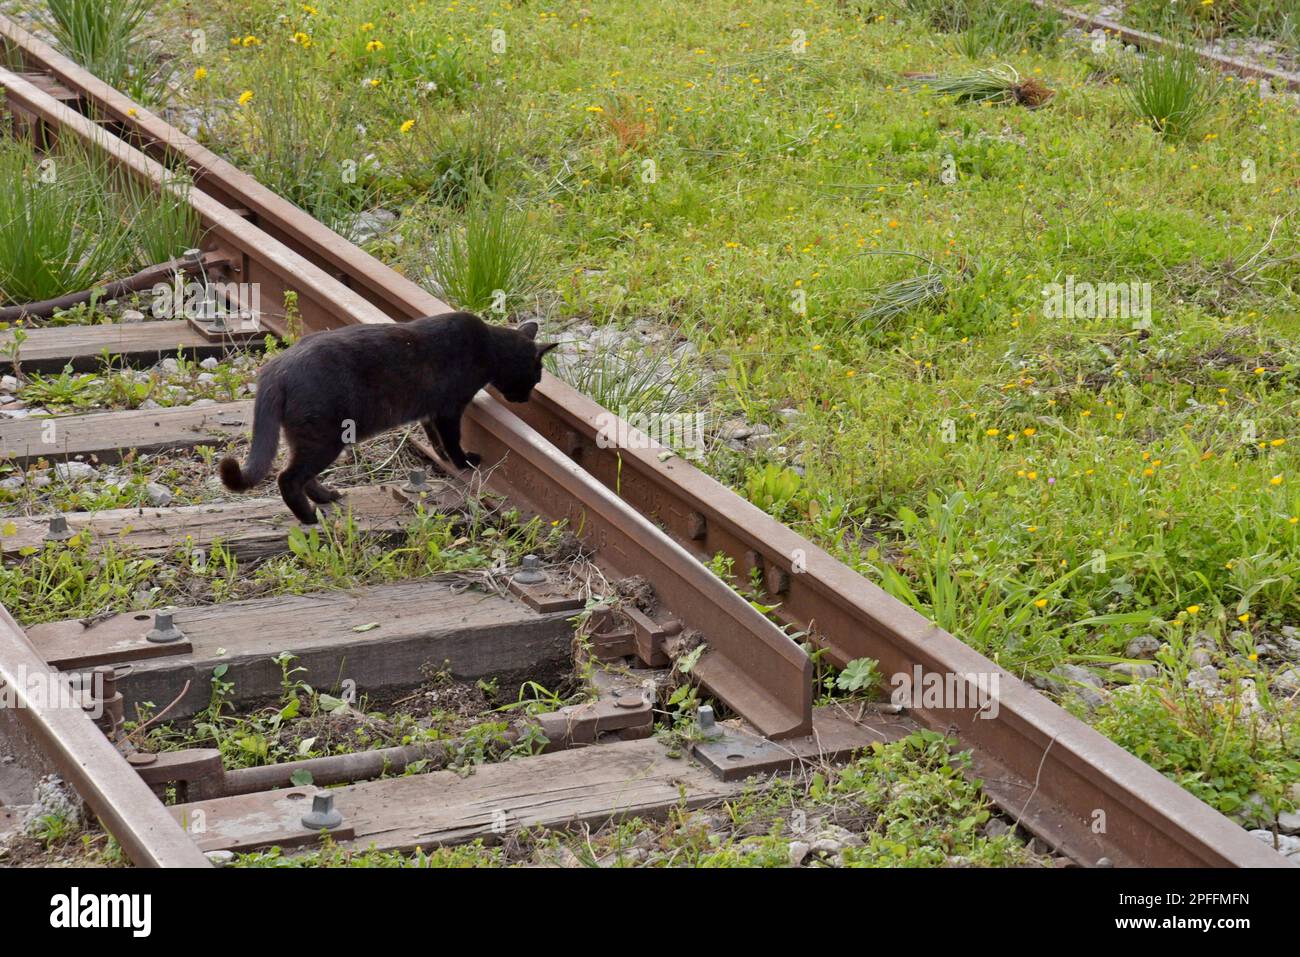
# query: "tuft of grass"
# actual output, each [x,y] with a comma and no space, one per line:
[902,296]
[1171,93]
[58,229]
[309,154]
[164,224]
[634,384]
[999,84]
[490,262]
[449,158]
[992,27]
[105,37]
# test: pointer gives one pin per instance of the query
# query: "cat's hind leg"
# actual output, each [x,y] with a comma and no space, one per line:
[321,493]
[306,463]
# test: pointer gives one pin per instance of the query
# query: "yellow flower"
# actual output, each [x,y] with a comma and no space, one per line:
[301,39]
[251,41]
[1244,617]
[367,27]
[374,81]
[374,45]
[200,74]
[1275,480]
[245,97]
[1033,476]
[1193,609]
[1277,442]
[309,10]
[407,126]
[992,431]
[595,109]
[1041,603]
[1030,431]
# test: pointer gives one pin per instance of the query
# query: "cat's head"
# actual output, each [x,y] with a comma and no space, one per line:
[519,363]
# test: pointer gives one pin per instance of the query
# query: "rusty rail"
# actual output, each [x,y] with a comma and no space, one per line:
[45,706]
[1051,772]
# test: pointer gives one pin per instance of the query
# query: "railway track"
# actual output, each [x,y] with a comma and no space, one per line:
[635,511]
[1280,79]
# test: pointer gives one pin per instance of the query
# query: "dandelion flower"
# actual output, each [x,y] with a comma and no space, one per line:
[200,74]
[1193,609]
[245,97]
[407,126]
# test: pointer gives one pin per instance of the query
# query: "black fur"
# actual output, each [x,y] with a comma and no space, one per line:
[359,381]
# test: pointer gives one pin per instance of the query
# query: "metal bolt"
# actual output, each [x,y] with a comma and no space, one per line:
[59,531]
[141,759]
[322,813]
[778,580]
[416,481]
[194,254]
[1105,862]
[532,573]
[628,698]
[705,718]
[164,629]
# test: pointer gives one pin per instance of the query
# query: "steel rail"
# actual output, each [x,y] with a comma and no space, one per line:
[1058,777]
[749,663]
[1281,79]
[44,704]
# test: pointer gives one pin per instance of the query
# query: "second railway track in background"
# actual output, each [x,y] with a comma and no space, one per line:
[637,513]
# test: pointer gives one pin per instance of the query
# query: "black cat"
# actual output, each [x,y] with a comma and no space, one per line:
[342,386]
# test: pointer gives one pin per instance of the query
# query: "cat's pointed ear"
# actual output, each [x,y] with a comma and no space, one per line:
[528,329]
[545,347]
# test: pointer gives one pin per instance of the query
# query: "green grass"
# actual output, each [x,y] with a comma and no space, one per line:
[1276,20]
[1173,93]
[489,262]
[108,37]
[59,232]
[299,137]
[73,579]
[70,222]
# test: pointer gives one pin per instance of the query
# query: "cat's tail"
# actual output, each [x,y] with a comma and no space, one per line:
[268,410]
